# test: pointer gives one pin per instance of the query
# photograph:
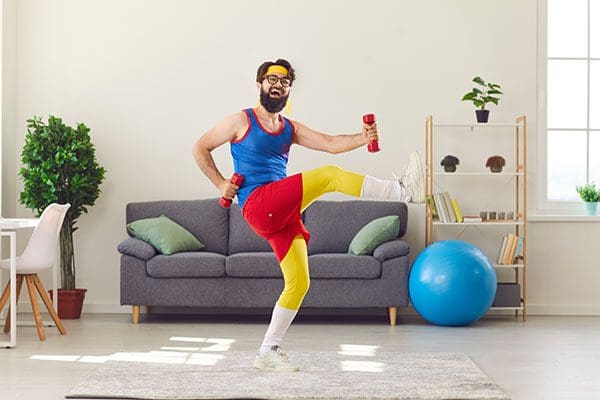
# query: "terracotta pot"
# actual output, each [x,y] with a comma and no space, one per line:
[70,303]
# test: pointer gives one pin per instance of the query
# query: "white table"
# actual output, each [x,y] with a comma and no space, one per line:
[11,225]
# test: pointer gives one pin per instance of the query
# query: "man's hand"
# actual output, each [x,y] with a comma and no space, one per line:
[228,189]
[369,132]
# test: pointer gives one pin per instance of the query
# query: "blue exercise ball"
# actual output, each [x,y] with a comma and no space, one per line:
[452,283]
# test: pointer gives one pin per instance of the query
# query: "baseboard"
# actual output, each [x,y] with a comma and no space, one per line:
[564,309]
[532,310]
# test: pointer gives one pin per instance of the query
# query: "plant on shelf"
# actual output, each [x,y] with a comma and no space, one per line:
[591,196]
[60,167]
[449,163]
[488,93]
[495,163]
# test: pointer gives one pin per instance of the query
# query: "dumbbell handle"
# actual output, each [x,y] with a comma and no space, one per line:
[373,145]
[236,179]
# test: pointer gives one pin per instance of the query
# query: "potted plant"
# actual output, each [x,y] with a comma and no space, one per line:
[488,93]
[495,163]
[60,166]
[591,196]
[449,163]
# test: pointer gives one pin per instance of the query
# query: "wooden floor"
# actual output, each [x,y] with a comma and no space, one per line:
[542,358]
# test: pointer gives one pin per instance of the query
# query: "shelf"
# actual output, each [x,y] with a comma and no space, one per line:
[510,223]
[514,171]
[480,173]
[476,125]
[509,266]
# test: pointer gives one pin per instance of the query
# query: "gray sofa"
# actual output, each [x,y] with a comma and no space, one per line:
[237,268]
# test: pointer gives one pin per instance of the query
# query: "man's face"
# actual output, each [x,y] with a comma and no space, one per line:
[274,92]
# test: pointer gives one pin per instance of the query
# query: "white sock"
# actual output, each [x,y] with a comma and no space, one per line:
[280,322]
[374,188]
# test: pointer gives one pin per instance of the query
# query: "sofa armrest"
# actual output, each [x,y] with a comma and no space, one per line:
[391,249]
[137,248]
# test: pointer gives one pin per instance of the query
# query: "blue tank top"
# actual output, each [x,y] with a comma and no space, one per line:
[261,156]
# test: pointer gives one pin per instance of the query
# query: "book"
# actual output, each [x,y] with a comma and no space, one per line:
[501,250]
[519,249]
[459,217]
[448,204]
[471,218]
[444,206]
[432,207]
[440,207]
[510,249]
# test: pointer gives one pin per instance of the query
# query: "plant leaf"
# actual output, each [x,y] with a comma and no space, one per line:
[478,79]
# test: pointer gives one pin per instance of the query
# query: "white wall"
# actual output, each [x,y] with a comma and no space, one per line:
[149,77]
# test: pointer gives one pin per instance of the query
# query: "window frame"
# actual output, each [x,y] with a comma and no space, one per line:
[543,205]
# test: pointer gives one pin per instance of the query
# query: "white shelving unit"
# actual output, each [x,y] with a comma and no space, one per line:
[520,192]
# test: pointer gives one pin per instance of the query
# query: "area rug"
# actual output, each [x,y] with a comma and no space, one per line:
[323,375]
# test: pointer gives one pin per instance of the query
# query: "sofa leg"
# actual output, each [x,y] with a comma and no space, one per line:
[392,311]
[136,314]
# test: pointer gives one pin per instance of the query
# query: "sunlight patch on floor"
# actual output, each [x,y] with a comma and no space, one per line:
[187,339]
[358,350]
[166,354]
[176,348]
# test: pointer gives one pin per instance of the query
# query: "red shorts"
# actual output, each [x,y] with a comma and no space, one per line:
[273,212]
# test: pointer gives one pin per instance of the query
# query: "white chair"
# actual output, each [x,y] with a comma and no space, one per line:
[40,254]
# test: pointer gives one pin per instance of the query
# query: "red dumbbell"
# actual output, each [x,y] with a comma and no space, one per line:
[236,179]
[373,145]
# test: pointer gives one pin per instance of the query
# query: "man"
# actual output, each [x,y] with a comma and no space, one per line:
[272,203]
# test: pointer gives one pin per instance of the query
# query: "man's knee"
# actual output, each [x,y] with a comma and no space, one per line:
[302,286]
[298,288]
[293,294]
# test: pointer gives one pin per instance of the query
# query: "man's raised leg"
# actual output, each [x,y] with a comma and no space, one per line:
[330,178]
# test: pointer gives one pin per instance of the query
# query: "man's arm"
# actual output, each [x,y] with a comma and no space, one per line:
[333,144]
[225,131]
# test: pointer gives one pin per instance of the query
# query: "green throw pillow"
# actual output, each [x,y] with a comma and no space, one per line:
[164,234]
[373,234]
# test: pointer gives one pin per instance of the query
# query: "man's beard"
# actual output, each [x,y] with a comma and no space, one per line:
[272,104]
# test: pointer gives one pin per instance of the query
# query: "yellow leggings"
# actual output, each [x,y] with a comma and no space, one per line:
[294,265]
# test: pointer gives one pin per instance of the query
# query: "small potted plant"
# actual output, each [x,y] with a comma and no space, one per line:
[488,93]
[591,196]
[495,163]
[449,163]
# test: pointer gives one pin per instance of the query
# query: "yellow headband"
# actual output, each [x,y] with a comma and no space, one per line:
[276,69]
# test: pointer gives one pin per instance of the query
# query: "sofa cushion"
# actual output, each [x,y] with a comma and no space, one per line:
[376,232]
[253,265]
[321,266]
[333,224]
[136,248]
[205,219]
[344,266]
[241,237]
[187,265]
[391,249]
[167,236]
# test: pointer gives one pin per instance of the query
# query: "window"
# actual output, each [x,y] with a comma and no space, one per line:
[570,117]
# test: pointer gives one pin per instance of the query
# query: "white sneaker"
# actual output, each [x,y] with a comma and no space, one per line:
[274,360]
[414,179]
